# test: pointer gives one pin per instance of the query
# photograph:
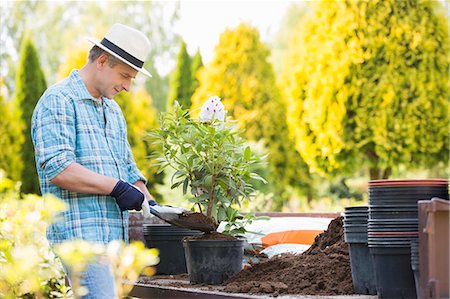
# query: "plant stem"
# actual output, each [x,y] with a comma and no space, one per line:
[211,196]
[200,207]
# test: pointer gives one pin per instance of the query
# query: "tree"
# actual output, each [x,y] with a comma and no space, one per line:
[196,65]
[30,85]
[181,80]
[286,166]
[87,18]
[241,75]
[367,85]
[11,139]
[294,14]
[158,85]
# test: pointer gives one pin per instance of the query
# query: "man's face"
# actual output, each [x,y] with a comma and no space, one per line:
[115,79]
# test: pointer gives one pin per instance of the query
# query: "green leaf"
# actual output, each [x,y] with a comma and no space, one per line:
[247,153]
[207,181]
[185,185]
[221,215]
[176,185]
[258,177]
[204,196]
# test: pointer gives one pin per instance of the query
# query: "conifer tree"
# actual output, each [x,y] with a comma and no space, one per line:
[181,79]
[196,65]
[30,85]
[158,87]
[367,85]
[241,75]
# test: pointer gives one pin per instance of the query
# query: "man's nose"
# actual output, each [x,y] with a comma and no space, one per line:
[126,85]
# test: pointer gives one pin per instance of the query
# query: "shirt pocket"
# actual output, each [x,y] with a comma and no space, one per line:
[116,134]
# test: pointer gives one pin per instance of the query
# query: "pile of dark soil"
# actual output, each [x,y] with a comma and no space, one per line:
[324,269]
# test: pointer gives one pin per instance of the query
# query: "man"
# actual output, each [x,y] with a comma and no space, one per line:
[82,153]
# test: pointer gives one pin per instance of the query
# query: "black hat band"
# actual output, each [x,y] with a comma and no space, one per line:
[122,53]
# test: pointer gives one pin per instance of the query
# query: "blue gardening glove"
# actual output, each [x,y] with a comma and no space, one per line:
[127,196]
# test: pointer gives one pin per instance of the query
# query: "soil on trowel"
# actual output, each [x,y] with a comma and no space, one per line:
[324,269]
[195,221]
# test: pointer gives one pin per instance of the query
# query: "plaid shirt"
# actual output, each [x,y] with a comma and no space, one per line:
[69,125]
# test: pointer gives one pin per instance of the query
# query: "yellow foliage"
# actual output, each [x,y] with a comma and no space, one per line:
[366,83]
[11,138]
[26,260]
[241,76]
[76,57]
[127,262]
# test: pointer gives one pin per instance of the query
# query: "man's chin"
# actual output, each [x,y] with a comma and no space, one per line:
[112,94]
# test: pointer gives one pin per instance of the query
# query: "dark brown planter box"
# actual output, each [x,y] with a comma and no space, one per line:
[434,248]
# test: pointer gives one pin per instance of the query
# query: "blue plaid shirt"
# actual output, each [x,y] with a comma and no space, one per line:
[69,125]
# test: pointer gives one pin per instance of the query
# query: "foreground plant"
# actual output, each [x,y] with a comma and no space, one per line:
[28,266]
[127,262]
[210,158]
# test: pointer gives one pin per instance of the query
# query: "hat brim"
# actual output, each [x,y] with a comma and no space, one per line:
[98,44]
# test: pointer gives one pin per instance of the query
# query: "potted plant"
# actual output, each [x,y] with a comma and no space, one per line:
[214,163]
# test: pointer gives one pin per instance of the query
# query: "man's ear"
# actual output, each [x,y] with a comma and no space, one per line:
[102,61]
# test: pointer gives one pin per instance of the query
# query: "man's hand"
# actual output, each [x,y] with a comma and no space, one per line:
[127,196]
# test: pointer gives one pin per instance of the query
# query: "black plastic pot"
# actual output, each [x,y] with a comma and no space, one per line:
[168,240]
[393,272]
[213,261]
[363,275]
[355,234]
[415,262]
[407,192]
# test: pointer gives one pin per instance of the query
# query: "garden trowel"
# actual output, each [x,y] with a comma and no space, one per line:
[178,217]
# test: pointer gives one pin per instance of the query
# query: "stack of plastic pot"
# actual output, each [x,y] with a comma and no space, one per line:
[415,262]
[393,224]
[355,234]
[169,240]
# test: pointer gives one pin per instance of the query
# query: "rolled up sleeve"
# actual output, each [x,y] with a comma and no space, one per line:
[134,174]
[53,133]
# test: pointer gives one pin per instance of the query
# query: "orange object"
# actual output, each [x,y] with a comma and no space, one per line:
[291,236]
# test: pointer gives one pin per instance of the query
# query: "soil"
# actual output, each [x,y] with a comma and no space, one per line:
[195,221]
[212,236]
[324,269]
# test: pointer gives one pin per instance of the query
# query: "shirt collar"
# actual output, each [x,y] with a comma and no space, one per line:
[82,92]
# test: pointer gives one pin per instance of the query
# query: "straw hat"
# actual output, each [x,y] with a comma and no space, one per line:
[127,44]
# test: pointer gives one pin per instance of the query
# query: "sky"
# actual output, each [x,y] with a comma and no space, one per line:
[202,22]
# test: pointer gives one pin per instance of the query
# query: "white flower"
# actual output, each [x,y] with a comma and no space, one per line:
[213,109]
